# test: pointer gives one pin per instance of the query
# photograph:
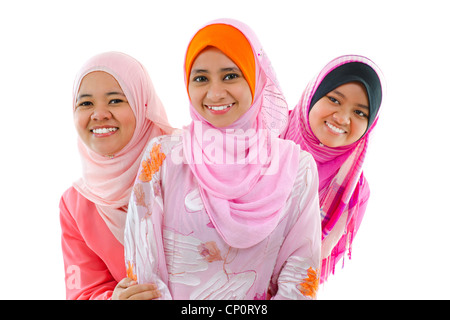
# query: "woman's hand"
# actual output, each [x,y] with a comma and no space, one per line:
[128,289]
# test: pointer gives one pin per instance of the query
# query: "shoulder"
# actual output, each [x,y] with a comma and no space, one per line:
[164,144]
[70,197]
[73,203]
[158,151]
[305,159]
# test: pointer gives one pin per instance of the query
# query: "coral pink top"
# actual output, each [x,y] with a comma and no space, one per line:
[93,211]
[93,257]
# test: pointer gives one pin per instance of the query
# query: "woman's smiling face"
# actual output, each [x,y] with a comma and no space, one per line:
[218,89]
[103,118]
[340,117]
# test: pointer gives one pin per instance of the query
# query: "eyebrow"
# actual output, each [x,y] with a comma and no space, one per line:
[233,69]
[230,69]
[195,71]
[343,96]
[112,93]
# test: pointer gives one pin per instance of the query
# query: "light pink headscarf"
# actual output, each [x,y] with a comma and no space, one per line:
[108,181]
[340,168]
[244,199]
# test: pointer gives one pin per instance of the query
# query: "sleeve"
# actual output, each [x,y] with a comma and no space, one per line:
[144,251]
[86,275]
[297,271]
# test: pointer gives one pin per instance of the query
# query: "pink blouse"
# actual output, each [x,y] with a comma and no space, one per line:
[93,258]
[170,240]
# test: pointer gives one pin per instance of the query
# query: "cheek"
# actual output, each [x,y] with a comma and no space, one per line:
[359,128]
[80,120]
[128,123]
[244,95]
[314,118]
[195,97]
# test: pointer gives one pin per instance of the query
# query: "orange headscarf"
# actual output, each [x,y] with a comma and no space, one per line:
[231,42]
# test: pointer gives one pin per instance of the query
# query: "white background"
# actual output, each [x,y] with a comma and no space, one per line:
[401,251]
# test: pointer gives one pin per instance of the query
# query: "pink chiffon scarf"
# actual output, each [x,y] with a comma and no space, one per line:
[340,168]
[105,181]
[244,196]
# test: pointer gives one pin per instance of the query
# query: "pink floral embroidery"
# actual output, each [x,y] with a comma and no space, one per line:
[157,188]
[139,195]
[209,251]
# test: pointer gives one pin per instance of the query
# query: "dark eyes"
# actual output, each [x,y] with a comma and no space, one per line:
[200,79]
[231,76]
[84,104]
[333,100]
[357,111]
[361,114]
[89,103]
[228,76]
[115,101]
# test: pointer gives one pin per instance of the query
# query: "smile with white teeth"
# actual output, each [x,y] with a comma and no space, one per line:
[333,128]
[219,108]
[104,130]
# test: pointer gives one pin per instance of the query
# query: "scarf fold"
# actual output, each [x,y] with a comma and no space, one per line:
[242,183]
[340,168]
[108,181]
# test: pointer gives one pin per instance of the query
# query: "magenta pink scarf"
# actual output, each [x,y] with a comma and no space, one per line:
[245,188]
[339,168]
[108,181]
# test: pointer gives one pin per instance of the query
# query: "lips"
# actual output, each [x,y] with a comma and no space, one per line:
[104,131]
[219,109]
[334,128]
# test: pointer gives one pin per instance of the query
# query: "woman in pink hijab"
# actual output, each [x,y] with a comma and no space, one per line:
[333,121]
[226,209]
[116,112]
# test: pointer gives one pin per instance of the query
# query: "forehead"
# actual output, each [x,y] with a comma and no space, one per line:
[353,91]
[211,59]
[98,81]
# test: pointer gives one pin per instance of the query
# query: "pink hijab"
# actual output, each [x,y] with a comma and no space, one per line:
[340,169]
[108,181]
[244,196]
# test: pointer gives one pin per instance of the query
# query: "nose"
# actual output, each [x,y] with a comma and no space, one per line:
[216,91]
[101,112]
[341,117]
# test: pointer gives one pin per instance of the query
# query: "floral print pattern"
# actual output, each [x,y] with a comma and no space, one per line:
[139,195]
[309,285]
[130,273]
[209,251]
[175,244]
[151,165]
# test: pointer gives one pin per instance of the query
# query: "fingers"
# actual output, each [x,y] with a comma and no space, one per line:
[141,292]
[126,282]
[128,289]
[144,292]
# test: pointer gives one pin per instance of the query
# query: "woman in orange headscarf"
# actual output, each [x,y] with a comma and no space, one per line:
[214,214]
